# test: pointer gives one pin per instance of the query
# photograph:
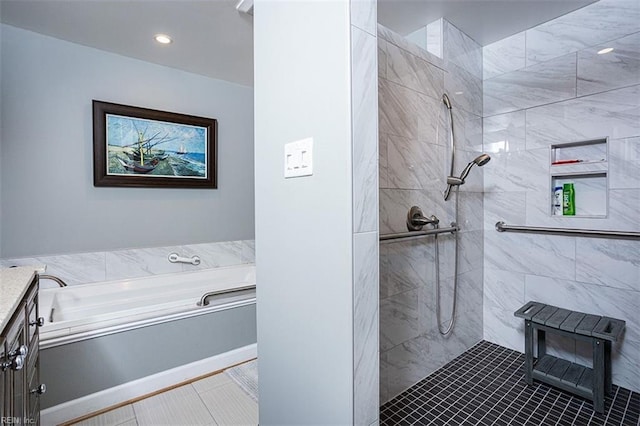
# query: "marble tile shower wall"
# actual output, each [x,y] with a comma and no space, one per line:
[414,152]
[544,86]
[82,268]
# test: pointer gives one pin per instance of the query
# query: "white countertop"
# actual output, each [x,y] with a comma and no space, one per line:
[14,283]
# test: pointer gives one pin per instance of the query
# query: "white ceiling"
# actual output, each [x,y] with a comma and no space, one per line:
[212,38]
[485,21]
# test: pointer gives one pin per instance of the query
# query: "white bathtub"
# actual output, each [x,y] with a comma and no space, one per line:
[89,310]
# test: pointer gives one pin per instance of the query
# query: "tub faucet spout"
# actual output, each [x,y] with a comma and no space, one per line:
[53,278]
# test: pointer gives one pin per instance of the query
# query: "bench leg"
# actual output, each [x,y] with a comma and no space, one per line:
[598,375]
[528,352]
[608,388]
[542,343]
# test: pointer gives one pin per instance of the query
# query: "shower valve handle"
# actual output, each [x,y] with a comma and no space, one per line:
[416,220]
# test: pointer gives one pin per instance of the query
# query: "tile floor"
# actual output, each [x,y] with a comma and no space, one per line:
[214,400]
[486,386]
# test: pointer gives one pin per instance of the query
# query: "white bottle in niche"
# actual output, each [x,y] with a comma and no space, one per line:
[557,201]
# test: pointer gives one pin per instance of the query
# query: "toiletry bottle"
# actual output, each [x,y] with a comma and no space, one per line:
[569,200]
[557,201]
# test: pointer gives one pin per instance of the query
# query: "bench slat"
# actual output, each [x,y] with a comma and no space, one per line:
[608,329]
[572,321]
[573,374]
[544,314]
[559,368]
[587,324]
[586,381]
[558,318]
[545,363]
[529,309]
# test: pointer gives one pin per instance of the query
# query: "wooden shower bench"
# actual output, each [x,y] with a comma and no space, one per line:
[589,383]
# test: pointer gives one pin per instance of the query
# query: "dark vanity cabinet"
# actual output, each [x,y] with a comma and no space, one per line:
[20,385]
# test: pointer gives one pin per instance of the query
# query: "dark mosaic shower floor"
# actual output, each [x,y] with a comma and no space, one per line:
[486,386]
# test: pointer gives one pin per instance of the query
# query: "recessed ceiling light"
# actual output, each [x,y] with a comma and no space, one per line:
[163,38]
[605,50]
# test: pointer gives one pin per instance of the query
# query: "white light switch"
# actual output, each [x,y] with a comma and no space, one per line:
[298,158]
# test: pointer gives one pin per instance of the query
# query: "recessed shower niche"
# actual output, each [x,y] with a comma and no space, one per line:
[585,164]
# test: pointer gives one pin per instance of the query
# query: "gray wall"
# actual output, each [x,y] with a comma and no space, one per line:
[305,226]
[49,204]
[122,357]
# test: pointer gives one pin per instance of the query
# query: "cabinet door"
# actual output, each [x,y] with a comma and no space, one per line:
[16,373]
[4,397]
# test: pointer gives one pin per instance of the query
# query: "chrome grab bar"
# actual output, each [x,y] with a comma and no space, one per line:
[175,258]
[203,300]
[589,233]
[419,234]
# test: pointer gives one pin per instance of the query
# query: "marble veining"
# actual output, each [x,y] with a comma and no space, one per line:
[83,268]
[403,43]
[399,319]
[582,118]
[413,72]
[589,26]
[462,50]
[517,171]
[141,262]
[624,163]
[364,15]
[508,207]
[620,68]
[612,263]
[212,255]
[504,56]
[366,331]
[503,290]
[403,266]
[546,255]
[365,131]
[383,171]
[73,269]
[413,164]
[539,84]
[464,89]
[504,132]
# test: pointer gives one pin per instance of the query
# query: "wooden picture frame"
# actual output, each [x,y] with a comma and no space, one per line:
[141,147]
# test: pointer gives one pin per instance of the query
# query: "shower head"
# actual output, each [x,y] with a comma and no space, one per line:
[446,100]
[480,161]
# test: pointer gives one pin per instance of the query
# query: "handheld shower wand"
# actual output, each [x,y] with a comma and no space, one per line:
[452,181]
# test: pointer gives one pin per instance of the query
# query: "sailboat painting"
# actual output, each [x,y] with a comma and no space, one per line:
[141,147]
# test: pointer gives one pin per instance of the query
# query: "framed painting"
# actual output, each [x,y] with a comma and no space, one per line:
[140,147]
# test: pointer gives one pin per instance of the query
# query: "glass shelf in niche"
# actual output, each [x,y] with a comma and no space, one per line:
[590,189]
[579,154]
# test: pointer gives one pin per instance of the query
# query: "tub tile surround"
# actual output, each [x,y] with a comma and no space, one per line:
[83,268]
[600,276]
[413,164]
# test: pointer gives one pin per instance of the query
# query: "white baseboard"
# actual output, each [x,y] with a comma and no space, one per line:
[137,388]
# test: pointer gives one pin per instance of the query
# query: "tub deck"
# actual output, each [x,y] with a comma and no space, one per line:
[99,308]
